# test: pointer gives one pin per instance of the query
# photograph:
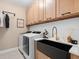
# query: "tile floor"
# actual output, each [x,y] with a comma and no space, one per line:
[14,54]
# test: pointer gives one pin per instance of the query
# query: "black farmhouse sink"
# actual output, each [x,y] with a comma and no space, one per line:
[61,46]
[54,50]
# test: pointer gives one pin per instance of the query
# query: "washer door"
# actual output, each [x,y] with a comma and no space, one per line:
[26,45]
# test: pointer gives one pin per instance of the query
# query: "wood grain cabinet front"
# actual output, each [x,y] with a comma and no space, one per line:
[76,5]
[40,55]
[41,11]
[32,16]
[74,56]
[64,7]
[50,9]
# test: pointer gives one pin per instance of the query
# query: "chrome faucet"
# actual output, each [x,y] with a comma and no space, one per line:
[53,32]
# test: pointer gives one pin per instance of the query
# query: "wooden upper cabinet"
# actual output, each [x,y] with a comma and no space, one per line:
[36,11]
[65,7]
[41,10]
[76,5]
[32,16]
[46,10]
[50,9]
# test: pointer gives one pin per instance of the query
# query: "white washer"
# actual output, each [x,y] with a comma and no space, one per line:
[26,44]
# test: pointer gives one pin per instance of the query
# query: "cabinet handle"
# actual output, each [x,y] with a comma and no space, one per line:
[66,13]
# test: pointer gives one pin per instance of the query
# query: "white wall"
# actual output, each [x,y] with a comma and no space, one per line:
[65,28]
[9,37]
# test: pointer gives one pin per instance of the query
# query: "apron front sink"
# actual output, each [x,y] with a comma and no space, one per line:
[58,45]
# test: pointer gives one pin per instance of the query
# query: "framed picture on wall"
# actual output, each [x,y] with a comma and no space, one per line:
[20,23]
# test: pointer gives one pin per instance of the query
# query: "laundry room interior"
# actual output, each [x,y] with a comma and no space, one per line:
[39,29]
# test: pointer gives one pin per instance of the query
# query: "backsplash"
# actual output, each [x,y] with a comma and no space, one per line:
[65,28]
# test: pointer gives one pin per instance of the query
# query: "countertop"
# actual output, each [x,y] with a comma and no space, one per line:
[74,50]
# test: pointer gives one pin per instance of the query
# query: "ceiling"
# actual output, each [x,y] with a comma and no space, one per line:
[23,3]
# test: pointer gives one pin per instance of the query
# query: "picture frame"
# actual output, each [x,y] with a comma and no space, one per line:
[20,23]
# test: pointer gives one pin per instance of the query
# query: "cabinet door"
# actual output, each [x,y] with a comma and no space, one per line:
[76,3]
[32,16]
[41,11]
[40,55]
[65,7]
[74,56]
[36,11]
[46,10]
[50,9]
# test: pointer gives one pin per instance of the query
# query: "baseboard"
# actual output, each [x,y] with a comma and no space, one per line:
[8,50]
